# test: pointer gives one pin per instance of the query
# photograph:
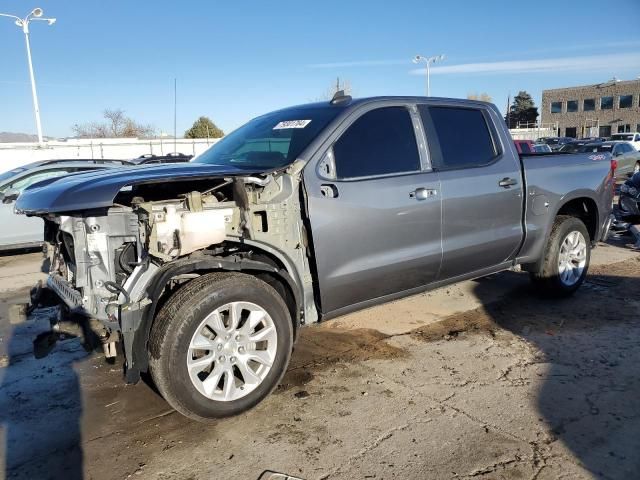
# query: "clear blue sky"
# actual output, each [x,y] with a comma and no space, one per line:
[236,59]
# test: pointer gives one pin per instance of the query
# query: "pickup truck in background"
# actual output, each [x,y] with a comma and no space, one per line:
[204,272]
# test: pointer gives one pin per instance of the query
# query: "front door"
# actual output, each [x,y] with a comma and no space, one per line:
[481,188]
[374,211]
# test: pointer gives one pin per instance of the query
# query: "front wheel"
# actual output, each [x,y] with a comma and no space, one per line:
[566,258]
[220,345]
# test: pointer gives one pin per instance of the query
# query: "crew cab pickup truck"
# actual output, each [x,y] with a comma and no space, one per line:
[203,272]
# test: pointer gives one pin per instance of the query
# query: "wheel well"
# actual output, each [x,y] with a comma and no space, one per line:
[586,210]
[262,266]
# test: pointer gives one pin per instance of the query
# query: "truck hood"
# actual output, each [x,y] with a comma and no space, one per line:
[98,188]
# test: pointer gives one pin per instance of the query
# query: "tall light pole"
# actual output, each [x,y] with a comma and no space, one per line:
[428,61]
[35,14]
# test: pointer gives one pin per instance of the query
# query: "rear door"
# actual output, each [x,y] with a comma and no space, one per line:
[374,208]
[481,187]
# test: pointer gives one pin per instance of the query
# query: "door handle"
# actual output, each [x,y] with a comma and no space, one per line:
[423,193]
[507,182]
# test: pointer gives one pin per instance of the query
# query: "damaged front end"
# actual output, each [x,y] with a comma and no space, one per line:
[118,264]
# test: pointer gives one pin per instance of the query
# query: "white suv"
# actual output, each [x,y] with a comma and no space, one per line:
[631,137]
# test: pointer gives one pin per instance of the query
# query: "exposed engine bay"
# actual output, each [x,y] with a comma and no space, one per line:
[104,261]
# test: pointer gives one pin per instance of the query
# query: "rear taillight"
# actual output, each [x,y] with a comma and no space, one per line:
[614,166]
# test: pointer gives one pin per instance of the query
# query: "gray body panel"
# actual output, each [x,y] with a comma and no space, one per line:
[551,182]
[367,253]
[374,239]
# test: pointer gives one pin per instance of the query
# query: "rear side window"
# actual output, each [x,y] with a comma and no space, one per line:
[525,147]
[380,142]
[457,137]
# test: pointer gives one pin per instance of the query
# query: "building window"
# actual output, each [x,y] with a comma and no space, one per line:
[606,103]
[624,128]
[571,131]
[572,105]
[589,104]
[605,131]
[556,107]
[625,101]
[638,127]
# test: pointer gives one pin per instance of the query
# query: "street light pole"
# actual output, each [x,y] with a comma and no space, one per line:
[428,61]
[23,23]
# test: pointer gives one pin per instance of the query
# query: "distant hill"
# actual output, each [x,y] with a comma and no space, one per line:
[10,137]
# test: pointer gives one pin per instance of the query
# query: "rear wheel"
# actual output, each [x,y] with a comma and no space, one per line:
[566,258]
[220,345]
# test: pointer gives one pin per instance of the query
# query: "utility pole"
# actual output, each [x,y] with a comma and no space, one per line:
[23,23]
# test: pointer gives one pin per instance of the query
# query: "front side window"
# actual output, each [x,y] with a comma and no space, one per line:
[271,141]
[589,104]
[380,142]
[606,103]
[451,131]
[626,101]
[556,107]
[572,105]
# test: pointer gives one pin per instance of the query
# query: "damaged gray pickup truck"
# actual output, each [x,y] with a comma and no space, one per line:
[203,273]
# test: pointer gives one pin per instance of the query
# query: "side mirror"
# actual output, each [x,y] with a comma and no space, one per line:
[10,196]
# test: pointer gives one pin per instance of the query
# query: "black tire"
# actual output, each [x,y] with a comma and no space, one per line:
[547,280]
[176,323]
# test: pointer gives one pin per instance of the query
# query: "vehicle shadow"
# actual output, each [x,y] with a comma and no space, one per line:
[588,350]
[40,399]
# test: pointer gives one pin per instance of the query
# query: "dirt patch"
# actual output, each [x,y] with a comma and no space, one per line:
[474,321]
[319,348]
[524,311]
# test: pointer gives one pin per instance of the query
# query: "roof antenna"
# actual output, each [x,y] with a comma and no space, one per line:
[340,97]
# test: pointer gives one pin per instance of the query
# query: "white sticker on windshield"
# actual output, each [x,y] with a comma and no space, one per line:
[292,124]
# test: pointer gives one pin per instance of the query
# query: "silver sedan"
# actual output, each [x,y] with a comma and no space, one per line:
[20,231]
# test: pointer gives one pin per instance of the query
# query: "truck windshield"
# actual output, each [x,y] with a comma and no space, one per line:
[272,140]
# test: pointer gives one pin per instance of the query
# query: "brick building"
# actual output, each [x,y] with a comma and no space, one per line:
[593,110]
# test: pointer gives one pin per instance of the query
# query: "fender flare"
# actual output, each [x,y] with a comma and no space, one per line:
[136,324]
[574,195]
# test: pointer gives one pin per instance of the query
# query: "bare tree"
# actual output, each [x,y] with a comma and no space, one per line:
[484,97]
[117,125]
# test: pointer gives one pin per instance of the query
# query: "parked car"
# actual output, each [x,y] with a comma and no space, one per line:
[203,272]
[573,147]
[627,157]
[19,231]
[523,146]
[555,142]
[633,138]
[541,148]
[169,158]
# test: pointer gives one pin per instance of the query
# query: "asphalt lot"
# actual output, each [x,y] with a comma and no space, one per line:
[479,380]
